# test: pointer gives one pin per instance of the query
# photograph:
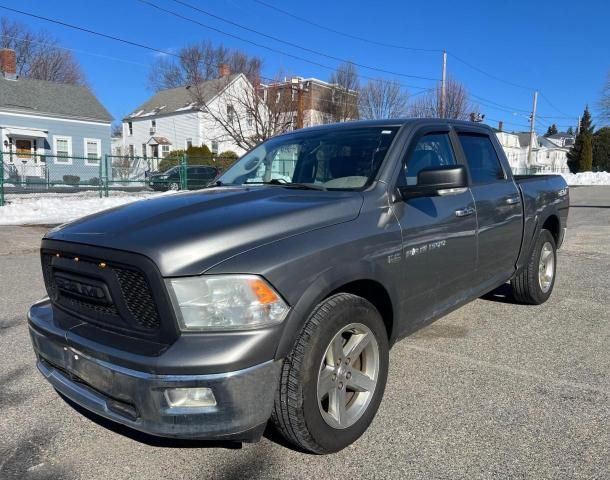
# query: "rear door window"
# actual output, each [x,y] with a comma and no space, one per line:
[483,161]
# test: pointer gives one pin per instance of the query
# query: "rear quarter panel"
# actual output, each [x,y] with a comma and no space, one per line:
[543,196]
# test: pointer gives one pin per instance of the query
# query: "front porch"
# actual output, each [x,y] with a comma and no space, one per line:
[24,154]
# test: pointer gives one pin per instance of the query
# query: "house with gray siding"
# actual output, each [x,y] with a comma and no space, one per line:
[49,130]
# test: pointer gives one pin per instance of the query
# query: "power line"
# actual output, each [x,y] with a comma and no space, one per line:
[553,106]
[509,109]
[99,55]
[374,42]
[490,75]
[347,35]
[92,32]
[276,39]
[261,45]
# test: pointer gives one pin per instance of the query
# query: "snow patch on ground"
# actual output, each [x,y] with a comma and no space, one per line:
[57,208]
[587,178]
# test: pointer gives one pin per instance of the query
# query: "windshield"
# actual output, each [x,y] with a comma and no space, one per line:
[169,171]
[342,158]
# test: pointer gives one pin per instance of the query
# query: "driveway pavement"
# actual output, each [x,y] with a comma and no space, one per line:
[493,390]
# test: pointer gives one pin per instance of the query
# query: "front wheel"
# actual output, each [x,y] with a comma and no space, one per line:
[332,382]
[534,284]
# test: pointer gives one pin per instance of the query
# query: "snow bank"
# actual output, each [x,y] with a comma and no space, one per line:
[56,208]
[587,178]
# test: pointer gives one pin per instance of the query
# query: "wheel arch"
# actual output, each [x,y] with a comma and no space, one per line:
[553,225]
[333,281]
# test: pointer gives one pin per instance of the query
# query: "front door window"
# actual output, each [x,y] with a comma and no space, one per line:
[23,148]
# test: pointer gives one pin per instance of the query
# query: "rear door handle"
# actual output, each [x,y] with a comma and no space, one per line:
[513,200]
[464,212]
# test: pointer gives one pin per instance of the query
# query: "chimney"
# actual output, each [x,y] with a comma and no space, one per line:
[500,125]
[224,70]
[8,63]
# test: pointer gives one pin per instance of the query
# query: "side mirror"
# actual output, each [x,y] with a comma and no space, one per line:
[445,180]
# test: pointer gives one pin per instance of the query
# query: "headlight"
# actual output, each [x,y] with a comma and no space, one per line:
[225,302]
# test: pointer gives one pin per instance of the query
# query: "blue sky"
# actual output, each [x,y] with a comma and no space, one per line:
[560,48]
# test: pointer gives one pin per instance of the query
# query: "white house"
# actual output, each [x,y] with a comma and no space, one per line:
[553,153]
[517,156]
[549,154]
[176,118]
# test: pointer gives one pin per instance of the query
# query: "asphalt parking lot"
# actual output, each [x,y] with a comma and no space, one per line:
[493,390]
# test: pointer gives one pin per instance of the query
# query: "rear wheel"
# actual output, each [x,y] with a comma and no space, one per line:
[534,284]
[332,382]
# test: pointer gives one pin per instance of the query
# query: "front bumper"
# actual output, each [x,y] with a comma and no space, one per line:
[135,398]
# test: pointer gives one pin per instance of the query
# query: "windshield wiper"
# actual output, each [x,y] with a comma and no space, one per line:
[284,183]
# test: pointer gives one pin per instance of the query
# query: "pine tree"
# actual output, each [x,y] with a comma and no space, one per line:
[552,130]
[586,158]
[575,160]
[570,131]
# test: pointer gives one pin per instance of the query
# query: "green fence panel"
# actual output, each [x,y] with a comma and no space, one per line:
[1,180]
[183,172]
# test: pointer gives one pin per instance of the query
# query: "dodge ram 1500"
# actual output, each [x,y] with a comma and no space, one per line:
[276,293]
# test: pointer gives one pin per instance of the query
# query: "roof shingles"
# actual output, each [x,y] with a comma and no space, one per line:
[51,98]
[181,98]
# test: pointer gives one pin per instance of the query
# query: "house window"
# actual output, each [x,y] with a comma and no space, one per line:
[131,150]
[93,151]
[144,150]
[153,127]
[230,113]
[130,127]
[164,150]
[63,150]
[189,143]
[214,146]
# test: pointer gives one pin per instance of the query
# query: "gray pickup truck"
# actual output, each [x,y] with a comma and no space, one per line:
[276,293]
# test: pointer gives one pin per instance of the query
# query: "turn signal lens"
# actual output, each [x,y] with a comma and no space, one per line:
[263,292]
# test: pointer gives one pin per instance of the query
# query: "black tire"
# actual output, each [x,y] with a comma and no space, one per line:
[296,413]
[526,286]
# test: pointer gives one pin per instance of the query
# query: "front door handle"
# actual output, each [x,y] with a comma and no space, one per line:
[464,212]
[512,200]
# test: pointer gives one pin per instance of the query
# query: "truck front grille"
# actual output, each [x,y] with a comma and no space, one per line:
[131,305]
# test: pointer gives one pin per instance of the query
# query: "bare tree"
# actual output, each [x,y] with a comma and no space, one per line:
[458,105]
[199,62]
[604,101]
[116,130]
[248,114]
[382,99]
[342,98]
[39,56]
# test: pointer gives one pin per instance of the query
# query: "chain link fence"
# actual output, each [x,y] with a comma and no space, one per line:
[33,174]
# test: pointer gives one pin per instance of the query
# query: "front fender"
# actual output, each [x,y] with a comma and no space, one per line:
[307,268]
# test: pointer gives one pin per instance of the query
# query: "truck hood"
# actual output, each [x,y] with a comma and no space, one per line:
[187,233]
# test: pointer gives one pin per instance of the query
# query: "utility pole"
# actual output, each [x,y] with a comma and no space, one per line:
[532,127]
[300,106]
[443,85]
